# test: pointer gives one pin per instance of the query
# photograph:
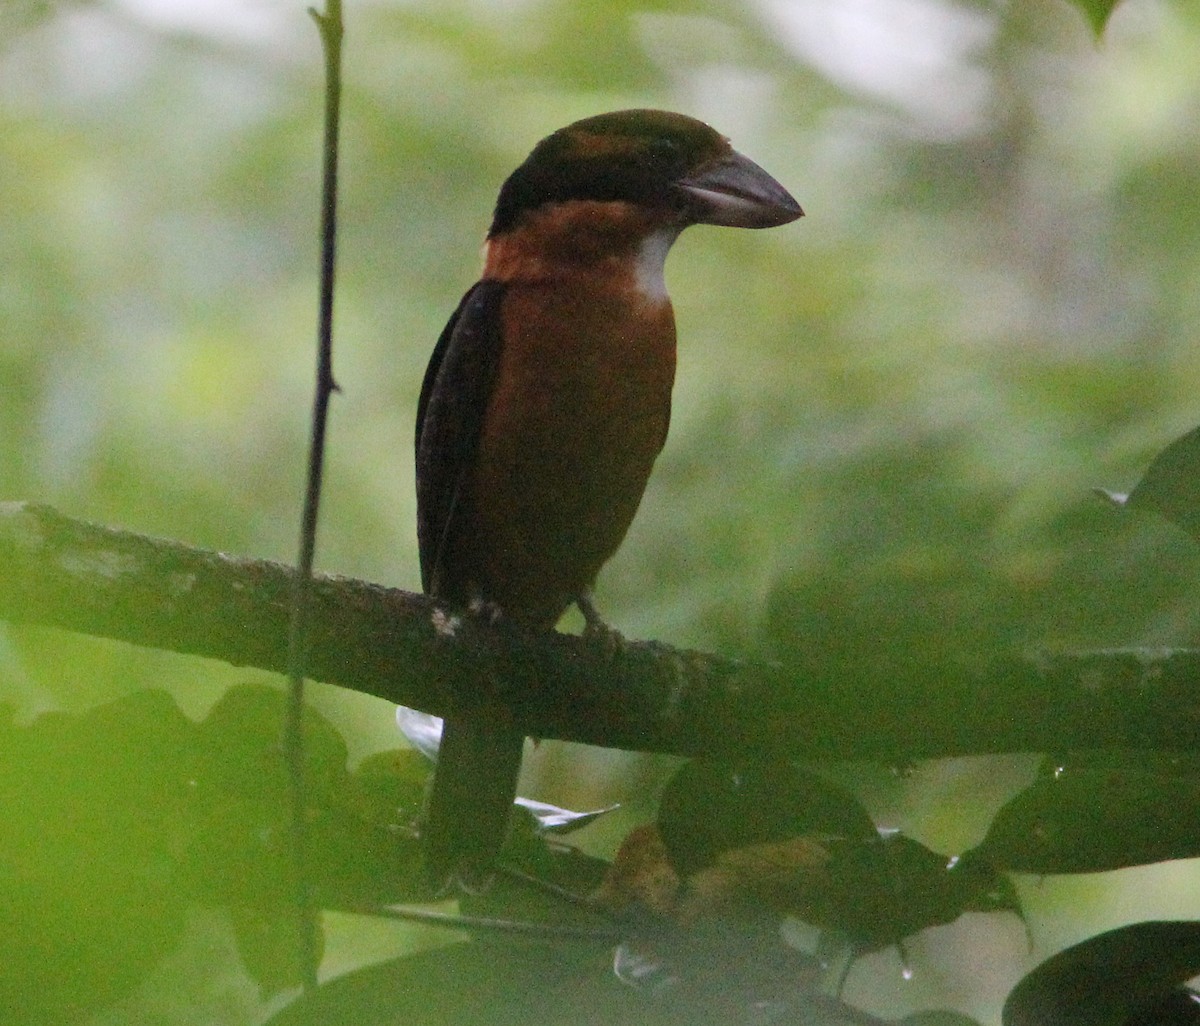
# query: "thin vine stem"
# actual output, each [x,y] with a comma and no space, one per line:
[330,27]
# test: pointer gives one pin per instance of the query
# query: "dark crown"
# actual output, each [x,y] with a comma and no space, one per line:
[630,155]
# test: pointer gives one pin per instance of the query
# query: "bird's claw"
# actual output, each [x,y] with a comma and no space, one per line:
[595,631]
[487,611]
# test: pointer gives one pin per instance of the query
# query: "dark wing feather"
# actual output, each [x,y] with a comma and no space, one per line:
[454,399]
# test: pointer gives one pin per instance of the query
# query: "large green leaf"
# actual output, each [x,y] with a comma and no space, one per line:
[1131,976]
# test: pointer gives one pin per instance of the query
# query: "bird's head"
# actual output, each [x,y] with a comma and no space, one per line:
[678,166]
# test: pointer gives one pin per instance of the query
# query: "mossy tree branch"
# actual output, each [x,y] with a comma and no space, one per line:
[646,696]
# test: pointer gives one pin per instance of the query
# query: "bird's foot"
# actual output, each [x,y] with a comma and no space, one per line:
[487,611]
[595,631]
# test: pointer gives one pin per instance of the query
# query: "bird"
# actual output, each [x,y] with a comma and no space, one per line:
[544,405]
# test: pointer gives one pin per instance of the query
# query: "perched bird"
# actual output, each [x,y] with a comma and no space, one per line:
[547,400]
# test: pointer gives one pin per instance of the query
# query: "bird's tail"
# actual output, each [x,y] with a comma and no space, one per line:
[469,807]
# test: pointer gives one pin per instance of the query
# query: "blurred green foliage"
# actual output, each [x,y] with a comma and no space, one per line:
[888,417]
[120,824]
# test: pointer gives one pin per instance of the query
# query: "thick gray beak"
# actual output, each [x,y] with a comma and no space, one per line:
[737,193]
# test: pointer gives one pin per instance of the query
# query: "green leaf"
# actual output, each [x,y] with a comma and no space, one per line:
[1097,12]
[1092,821]
[1119,978]
[266,942]
[1171,484]
[496,982]
[389,787]
[884,891]
[710,807]
[241,744]
[91,824]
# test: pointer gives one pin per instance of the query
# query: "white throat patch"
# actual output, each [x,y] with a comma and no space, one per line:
[651,261]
